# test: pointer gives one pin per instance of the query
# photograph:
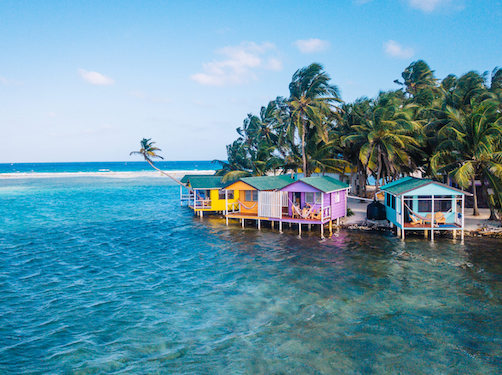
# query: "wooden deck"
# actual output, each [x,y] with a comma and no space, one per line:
[447,226]
[284,219]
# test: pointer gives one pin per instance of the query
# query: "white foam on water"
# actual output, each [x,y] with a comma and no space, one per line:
[108,174]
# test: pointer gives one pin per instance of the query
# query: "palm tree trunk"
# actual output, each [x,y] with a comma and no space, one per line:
[168,175]
[489,200]
[475,210]
[304,157]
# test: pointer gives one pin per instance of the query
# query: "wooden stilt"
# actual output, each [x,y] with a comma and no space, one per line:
[280,226]
[398,230]
[226,220]
[242,222]
[402,233]
[300,229]
[322,231]
[337,221]
[330,228]
[426,234]
[259,224]
[454,234]
[462,232]
[310,227]
[432,234]
[273,224]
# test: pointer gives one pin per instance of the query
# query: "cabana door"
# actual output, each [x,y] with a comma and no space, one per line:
[270,204]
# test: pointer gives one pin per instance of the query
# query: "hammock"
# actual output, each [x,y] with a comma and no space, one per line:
[299,212]
[425,218]
[247,207]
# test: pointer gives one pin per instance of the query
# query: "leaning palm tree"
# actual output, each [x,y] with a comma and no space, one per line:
[149,152]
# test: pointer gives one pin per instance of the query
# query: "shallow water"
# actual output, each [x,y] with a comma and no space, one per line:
[112,276]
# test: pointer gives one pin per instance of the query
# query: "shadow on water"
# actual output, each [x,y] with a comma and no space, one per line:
[112,276]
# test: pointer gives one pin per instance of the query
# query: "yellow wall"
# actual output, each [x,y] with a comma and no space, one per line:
[219,204]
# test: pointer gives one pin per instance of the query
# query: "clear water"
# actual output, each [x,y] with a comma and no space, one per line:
[115,166]
[111,276]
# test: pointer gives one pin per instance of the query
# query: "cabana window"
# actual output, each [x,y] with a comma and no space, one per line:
[313,198]
[442,203]
[221,194]
[251,195]
[424,203]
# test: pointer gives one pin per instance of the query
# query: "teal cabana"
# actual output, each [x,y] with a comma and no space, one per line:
[420,204]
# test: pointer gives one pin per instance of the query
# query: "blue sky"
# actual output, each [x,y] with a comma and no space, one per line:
[85,81]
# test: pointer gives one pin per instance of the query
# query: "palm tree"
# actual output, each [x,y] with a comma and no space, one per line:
[470,146]
[386,136]
[149,152]
[310,104]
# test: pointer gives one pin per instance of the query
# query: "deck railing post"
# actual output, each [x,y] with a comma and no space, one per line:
[226,207]
[432,219]
[322,207]
[402,217]
[462,233]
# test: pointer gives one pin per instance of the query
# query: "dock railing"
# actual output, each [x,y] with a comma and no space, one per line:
[202,203]
[186,198]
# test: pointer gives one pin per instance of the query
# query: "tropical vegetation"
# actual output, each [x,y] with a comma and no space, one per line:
[449,129]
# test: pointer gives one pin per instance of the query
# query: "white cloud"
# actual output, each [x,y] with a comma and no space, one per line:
[95,78]
[311,45]
[274,64]
[9,82]
[394,49]
[238,64]
[428,5]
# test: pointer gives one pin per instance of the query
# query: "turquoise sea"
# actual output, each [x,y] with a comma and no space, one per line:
[101,275]
[108,166]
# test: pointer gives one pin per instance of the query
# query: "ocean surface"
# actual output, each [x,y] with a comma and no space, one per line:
[106,275]
[86,167]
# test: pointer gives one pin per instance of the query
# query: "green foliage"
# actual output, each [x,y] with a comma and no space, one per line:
[449,128]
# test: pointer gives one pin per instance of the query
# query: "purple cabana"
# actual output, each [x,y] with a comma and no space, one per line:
[316,200]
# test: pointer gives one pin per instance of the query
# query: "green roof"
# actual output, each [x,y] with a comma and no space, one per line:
[407,184]
[268,182]
[206,182]
[325,184]
[187,177]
